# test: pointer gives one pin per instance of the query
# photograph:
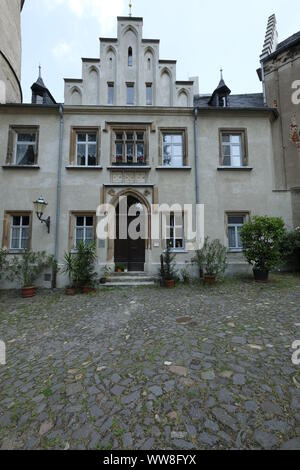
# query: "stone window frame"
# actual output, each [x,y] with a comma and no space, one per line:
[129,128]
[247,218]
[73,144]
[6,236]
[13,131]
[72,220]
[173,131]
[234,131]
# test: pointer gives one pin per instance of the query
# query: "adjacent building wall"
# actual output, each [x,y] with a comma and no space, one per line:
[10,51]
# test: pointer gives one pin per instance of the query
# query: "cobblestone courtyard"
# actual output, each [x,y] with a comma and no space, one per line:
[192,368]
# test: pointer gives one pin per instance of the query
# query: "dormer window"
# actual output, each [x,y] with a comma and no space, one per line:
[130,57]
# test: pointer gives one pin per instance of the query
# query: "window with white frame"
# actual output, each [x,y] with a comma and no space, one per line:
[86,148]
[25,148]
[149,97]
[84,230]
[110,93]
[175,231]
[20,232]
[235,224]
[173,150]
[130,94]
[232,150]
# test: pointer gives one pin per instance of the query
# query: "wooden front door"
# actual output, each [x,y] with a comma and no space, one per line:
[129,252]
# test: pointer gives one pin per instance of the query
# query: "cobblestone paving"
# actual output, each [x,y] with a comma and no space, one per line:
[192,368]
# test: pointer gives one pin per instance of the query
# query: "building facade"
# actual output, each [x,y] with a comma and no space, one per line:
[281,76]
[10,51]
[129,129]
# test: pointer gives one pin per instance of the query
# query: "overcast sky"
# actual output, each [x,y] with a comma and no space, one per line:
[202,35]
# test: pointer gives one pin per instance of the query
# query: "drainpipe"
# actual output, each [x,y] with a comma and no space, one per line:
[197,174]
[263,81]
[59,170]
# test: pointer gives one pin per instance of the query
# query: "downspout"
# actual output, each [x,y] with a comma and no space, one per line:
[59,171]
[198,221]
[263,81]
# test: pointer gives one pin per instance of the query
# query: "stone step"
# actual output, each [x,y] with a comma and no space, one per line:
[132,279]
[112,284]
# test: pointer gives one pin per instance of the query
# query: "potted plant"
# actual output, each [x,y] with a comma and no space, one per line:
[120,267]
[68,268]
[262,241]
[26,267]
[107,273]
[212,260]
[84,267]
[168,269]
[290,248]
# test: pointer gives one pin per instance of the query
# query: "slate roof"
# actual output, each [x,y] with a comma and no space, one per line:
[252,100]
[284,45]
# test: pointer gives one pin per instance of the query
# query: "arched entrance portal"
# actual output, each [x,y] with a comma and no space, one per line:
[131,214]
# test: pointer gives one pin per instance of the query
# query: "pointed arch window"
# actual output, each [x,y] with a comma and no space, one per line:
[130,57]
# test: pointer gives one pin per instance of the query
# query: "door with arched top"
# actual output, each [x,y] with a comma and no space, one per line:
[130,251]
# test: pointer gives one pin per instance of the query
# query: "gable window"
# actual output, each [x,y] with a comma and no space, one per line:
[110,93]
[173,152]
[149,94]
[130,94]
[22,146]
[84,230]
[234,149]
[130,57]
[129,147]
[175,231]
[85,147]
[235,224]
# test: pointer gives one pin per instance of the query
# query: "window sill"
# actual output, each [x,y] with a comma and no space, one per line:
[20,167]
[235,168]
[173,168]
[235,250]
[84,168]
[129,167]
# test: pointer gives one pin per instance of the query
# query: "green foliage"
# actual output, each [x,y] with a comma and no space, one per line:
[27,267]
[3,261]
[121,266]
[290,247]
[262,242]
[212,258]
[167,270]
[83,265]
[69,268]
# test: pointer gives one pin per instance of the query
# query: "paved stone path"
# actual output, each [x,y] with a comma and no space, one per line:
[192,368]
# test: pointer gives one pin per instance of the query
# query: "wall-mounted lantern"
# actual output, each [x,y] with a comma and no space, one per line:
[40,206]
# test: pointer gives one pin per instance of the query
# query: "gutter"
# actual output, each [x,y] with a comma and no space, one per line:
[59,172]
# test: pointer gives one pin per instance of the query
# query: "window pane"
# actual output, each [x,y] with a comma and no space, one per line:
[111,94]
[119,136]
[92,138]
[236,150]
[235,139]
[177,150]
[129,136]
[140,136]
[130,150]
[140,150]
[25,154]
[167,139]
[235,220]
[31,137]
[179,244]
[177,139]
[231,237]
[92,156]
[89,235]
[16,220]
[81,154]
[25,220]
[80,222]
[81,137]
[15,237]
[149,95]
[240,244]
[79,235]
[226,160]
[130,95]
[226,138]
[177,161]
[90,221]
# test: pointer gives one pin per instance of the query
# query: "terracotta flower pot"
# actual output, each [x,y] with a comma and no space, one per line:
[71,291]
[28,292]
[87,290]
[170,284]
[261,276]
[210,280]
